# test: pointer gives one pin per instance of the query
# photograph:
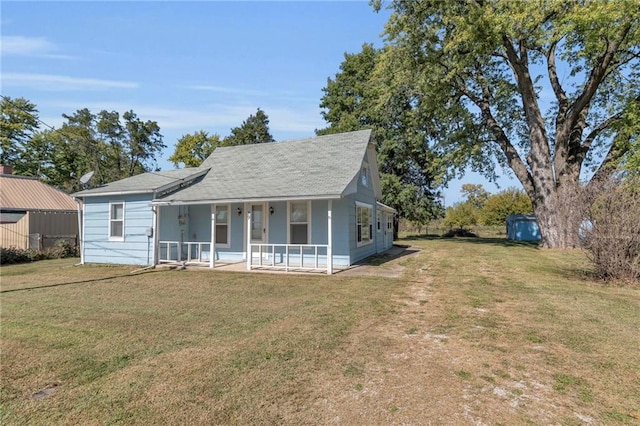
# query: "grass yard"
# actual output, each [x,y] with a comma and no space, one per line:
[474,332]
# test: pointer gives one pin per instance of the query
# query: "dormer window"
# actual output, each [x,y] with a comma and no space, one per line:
[364,175]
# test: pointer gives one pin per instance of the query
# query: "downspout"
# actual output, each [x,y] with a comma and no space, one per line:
[80,232]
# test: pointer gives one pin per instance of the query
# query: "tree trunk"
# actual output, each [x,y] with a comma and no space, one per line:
[559,214]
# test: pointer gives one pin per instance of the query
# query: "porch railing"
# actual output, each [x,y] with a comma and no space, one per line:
[302,257]
[191,252]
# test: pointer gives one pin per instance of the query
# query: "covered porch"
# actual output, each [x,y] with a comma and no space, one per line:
[285,235]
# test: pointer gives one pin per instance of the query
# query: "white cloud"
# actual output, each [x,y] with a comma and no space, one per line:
[30,46]
[226,90]
[56,83]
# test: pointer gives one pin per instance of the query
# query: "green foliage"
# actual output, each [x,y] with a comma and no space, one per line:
[461,215]
[475,194]
[18,123]
[483,208]
[475,72]
[192,149]
[350,103]
[111,146]
[13,255]
[498,206]
[254,129]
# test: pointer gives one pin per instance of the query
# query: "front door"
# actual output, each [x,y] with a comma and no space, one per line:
[258,224]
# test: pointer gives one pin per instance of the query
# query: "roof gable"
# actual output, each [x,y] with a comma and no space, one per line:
[316,167]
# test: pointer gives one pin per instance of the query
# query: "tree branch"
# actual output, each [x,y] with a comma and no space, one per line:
[598,73]
[606,167]
[513,158]
[553,77]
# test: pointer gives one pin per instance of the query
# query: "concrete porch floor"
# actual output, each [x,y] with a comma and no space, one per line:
[383,264]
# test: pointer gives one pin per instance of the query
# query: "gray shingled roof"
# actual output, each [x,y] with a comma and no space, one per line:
[144,183]
[317,167]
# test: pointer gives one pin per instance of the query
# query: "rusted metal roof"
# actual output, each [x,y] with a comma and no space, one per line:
[26,193]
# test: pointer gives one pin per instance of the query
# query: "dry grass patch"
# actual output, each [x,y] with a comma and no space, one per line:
[99,345]
[475,332]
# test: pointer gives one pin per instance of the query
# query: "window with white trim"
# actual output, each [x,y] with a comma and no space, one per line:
[222,226]
[364,224]
[299,214]
[379,218]
[116,221]
[364,175]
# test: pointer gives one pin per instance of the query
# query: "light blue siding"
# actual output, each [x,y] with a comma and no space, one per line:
[193,224]
[277,223]
[136,248]
[366,195]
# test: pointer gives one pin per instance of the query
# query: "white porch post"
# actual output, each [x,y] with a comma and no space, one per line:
[156,235]
[329,239]
[212,246]
[249,254]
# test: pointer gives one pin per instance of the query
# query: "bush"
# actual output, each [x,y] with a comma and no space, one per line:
[459,232]
[611,235]
[13,255]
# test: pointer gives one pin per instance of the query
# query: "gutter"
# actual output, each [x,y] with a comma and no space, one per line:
[246,200]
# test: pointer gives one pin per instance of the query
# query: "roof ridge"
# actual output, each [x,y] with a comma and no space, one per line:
[20,177]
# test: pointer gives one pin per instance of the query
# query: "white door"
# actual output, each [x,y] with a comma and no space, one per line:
[388,234]
[258,224]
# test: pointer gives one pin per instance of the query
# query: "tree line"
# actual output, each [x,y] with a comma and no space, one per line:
[112,145]
[480,207]
[550,91]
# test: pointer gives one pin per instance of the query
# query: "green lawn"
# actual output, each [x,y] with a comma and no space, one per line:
[474,331]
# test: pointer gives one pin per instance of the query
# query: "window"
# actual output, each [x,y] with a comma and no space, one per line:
[299,213]
[116,221]
[364,224]
[364,175]
[222,225]
[379,217]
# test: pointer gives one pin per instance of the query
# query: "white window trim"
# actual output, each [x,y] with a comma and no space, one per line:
[289,222]
[371,239]
[228,206]
[124,211]
[379,220]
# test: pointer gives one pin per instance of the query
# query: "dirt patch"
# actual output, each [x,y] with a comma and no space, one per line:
[390,264]
[416,369]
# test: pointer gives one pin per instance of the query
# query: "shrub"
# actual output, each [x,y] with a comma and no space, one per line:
[13,255]
[611,235]
[459,232]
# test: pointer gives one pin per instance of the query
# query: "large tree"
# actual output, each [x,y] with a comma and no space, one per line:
[192,149]
[255,129]
[18,123]
[547,88]
[110,146]
[350,102]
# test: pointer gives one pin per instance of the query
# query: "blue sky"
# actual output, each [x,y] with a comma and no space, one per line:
[187,65]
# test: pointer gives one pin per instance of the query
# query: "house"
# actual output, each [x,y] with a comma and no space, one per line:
[308,204]
[34,215]
[522,227]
